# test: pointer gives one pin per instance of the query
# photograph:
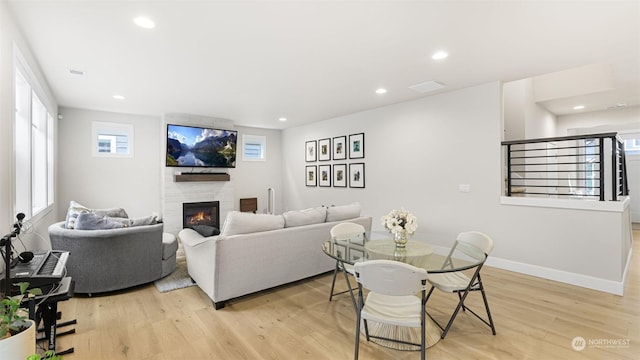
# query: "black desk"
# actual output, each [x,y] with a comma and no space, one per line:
[45,308]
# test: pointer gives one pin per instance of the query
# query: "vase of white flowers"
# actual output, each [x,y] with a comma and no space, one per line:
[401,224]
[400,238]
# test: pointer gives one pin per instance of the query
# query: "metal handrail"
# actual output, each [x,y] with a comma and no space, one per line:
[539,171]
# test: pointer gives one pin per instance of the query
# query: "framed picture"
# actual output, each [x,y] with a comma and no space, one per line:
[356,146]
[340,175]
[356,175]
[324,149]
[339,148]
[355,255]
[310,151]
[357,239]
[310,177]
[324,175]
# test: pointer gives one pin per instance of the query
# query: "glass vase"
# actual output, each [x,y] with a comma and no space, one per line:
[400,238]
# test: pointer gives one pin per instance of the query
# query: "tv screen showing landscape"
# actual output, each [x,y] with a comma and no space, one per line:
[190,146]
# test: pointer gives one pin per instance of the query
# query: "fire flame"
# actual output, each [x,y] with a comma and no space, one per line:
[199,218]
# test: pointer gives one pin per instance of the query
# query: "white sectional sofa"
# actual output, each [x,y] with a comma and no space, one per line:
[258,251]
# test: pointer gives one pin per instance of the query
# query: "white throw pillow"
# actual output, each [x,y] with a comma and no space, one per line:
[72,214]
[245,223]
[304,217]
[343,212]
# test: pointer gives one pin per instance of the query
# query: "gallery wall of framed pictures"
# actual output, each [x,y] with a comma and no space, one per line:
[338,162]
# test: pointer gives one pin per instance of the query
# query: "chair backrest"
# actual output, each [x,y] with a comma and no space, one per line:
[390,277]
[347,231]
[477,239]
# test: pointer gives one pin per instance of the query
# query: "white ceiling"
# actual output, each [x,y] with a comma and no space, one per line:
[254,62]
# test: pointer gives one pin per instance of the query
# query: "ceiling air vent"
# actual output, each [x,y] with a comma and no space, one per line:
[617,106]
[77,74]
[428,86]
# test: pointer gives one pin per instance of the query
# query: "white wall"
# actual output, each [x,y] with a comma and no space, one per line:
[419,152]
[621,121]
[99,182]
[10,35]
[135,184]
[248,178]
[599,121]
[416,155]
[523,117]
[254,178]
[514,103]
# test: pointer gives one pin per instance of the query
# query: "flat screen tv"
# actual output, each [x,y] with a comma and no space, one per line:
[190,146]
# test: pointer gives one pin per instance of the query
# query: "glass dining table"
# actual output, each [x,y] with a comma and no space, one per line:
[352,249]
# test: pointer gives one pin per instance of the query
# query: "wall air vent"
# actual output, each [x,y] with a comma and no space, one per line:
[427,86]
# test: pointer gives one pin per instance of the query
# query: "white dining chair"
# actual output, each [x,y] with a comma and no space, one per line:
[391,299]
[350,232]
[459,283]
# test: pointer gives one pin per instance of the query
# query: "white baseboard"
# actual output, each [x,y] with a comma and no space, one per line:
[609,286]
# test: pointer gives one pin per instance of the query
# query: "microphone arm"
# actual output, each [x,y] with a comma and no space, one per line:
[6,242]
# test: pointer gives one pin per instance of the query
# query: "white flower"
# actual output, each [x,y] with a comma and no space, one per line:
[398,220]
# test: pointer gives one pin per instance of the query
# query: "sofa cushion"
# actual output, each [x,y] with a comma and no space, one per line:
[146,220]
[244,223]
[304,217]
[343,212]
[91,221]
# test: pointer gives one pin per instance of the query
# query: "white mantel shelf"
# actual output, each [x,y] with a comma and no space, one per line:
[202,177]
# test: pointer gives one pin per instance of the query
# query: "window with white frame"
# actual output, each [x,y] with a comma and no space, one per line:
[254,148]
[112,139]
[33,143]
[632,146]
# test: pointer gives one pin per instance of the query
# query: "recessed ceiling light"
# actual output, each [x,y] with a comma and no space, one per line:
[119,97]
[144,22]
[578,107]
[282,119]
[439,55]
[381,91]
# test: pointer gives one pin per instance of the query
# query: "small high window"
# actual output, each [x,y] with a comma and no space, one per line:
[254,148]
[632,146]
[112,139]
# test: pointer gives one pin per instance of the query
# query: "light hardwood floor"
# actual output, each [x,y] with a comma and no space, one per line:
[535,319]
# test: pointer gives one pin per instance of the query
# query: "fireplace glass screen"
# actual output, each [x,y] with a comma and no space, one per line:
[201,213]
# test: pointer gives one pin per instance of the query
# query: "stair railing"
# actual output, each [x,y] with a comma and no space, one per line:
[579,167]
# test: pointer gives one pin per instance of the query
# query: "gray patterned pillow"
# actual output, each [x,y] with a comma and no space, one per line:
[113,212]
[91,221]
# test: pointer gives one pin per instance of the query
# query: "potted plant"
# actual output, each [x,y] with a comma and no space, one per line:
[49,354]
[17,333]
